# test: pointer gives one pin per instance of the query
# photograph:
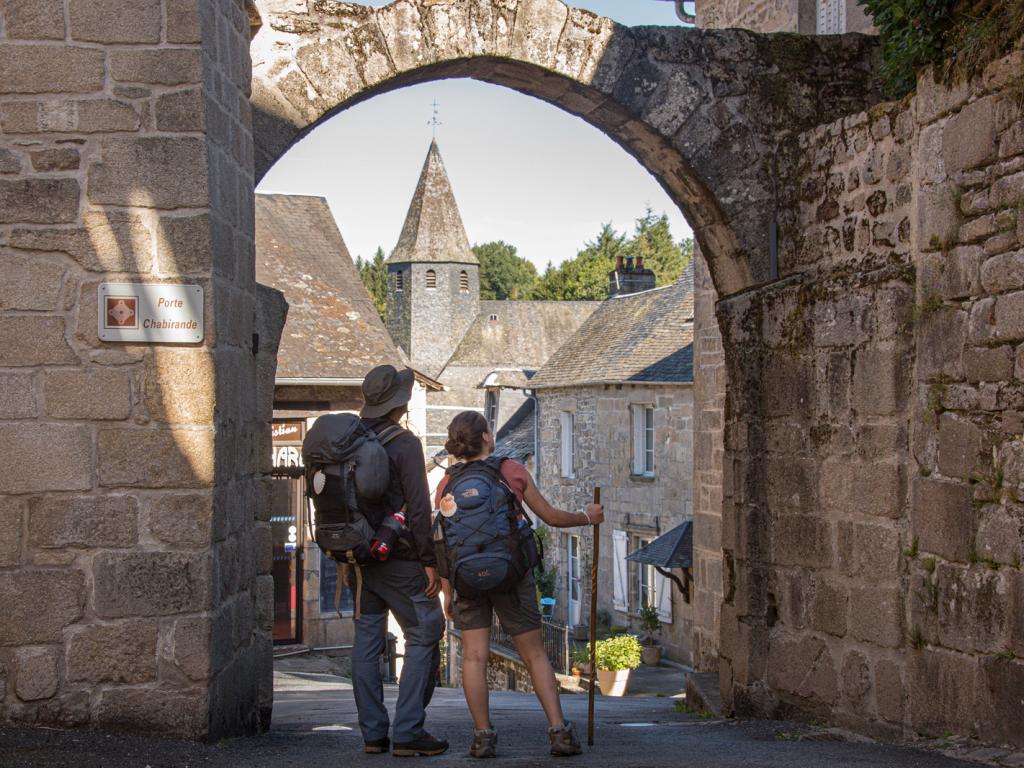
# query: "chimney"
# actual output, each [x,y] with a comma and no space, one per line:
[632,277]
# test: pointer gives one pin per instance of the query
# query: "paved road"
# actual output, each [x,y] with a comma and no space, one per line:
[315,727]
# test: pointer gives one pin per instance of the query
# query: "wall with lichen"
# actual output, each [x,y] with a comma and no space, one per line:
[872,526]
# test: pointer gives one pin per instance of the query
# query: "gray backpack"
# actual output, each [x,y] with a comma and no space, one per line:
[345,460]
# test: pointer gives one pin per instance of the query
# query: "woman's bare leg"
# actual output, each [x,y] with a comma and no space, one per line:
[530,646]
[476,647]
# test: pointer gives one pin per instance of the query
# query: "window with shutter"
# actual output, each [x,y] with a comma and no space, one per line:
[431,279]
[831,17]
[642,418]
[663,596]
[464,281]
[568,458]
[645,579]
[491,409]
[620,589]
[398,281]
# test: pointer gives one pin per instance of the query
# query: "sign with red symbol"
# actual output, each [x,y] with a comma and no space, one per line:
[122,311]
[150,312]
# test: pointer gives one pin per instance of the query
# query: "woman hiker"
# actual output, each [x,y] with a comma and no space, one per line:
[469,440]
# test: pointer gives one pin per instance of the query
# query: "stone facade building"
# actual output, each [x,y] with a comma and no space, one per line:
[616,411]
[435,315]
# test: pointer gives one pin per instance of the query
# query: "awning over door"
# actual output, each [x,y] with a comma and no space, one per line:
[670,550]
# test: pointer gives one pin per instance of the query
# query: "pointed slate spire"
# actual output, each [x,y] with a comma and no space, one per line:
[433,229]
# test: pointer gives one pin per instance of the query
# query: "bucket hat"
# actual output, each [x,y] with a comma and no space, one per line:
[386,388]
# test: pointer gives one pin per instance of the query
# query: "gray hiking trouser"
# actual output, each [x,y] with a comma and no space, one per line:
[396,586]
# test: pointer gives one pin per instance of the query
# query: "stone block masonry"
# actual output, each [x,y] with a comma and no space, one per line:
[129,550]
[871,528]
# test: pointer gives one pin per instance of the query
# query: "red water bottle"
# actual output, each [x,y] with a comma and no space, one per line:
[387,535]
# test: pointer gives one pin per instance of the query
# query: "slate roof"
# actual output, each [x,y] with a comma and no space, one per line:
[332,330]
[509,378]
[670,550]
[524,335]
[515,440]
[433,229]
[641,337]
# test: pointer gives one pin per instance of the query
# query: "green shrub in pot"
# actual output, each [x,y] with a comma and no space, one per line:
[618,653]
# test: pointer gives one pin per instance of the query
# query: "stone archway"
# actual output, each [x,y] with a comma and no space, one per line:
[703,111]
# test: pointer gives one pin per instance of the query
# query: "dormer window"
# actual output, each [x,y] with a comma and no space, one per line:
[399,281]
[464,281]
[431,279]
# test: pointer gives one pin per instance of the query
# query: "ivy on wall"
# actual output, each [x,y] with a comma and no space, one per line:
[959,37]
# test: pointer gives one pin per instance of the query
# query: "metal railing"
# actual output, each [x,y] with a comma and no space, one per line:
[556,643]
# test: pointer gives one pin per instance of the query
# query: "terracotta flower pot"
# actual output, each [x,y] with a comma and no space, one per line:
[612,682]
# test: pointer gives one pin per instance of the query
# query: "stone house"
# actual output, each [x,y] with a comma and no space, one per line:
[436,317]
[331,338]
[616,411]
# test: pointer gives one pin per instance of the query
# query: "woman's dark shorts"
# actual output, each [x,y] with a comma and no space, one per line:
[517,610]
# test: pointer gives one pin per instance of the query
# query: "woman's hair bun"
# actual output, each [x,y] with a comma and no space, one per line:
[466,435]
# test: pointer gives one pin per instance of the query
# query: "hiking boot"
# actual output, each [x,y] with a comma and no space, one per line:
[377,746]
[564,741]
[485,743]
[424,745]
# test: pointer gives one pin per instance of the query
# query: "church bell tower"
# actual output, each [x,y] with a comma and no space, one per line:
[433,276]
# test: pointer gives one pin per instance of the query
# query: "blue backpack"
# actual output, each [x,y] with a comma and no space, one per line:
[489,539]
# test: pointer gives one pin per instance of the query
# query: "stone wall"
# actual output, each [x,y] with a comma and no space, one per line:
[776,15]
[759,15]
[505,670]
[637,505]
[129,553]
[709,388]
[871,532]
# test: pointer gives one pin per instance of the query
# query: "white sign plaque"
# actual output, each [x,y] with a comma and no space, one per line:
[151,312]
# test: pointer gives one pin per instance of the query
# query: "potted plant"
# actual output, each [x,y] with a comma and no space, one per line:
[580,662]
[650,651]
[616,656]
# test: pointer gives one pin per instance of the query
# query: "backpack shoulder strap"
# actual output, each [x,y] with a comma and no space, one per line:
[388,434]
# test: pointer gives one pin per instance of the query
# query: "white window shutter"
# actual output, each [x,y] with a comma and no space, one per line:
[566,442]
[620,599]
[638,439]
[663,594]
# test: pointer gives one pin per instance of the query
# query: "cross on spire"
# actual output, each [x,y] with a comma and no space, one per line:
[434,122]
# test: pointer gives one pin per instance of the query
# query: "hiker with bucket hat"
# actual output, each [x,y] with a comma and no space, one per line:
[404,581]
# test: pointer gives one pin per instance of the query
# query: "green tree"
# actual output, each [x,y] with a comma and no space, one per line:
[585,277]
[652,240]
[504,274]
[374,274]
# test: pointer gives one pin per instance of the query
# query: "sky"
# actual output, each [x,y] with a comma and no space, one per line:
[523,171]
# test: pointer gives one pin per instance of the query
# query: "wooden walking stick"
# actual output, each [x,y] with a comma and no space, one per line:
[593,626]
